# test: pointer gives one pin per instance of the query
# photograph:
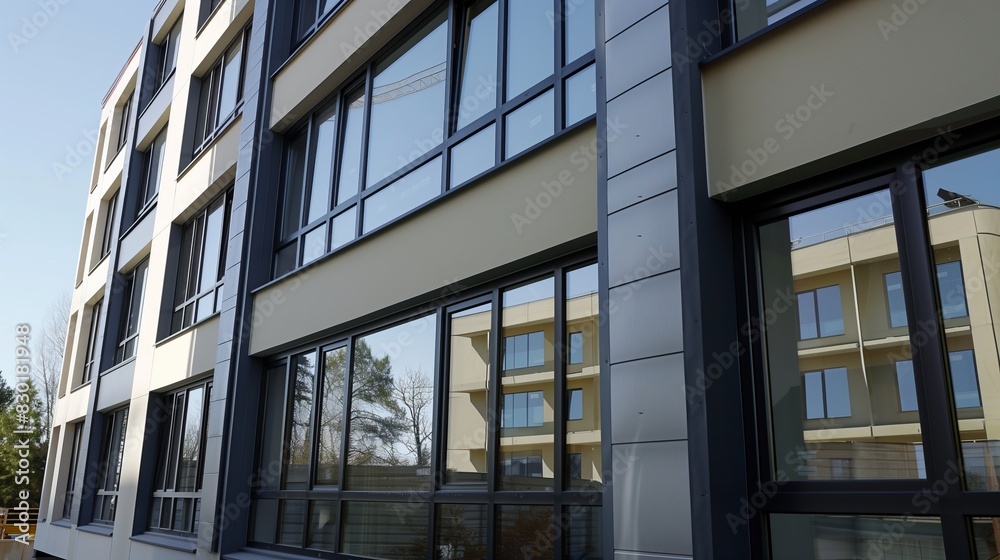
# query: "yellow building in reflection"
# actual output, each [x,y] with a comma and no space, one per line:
[859,399]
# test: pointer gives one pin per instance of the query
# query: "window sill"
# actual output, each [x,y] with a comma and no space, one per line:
[186,329]
[121,364]
[763,31]
[302,44]
[97,529]
[172,542]
[209,142]
[114,158]
[159,89]
[208,19]
[80,386]
[65,523]
[142,213]
[98,263]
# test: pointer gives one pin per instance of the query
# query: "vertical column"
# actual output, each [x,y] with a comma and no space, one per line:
[641,283]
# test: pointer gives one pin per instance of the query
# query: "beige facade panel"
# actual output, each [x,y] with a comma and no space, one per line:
[186,355]
[329,58]
[212,171]
[848,80]
[418,255]
[222,28]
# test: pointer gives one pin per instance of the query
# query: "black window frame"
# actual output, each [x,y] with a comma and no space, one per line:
[169,426]
[123,123]
[823,393]
[527,410]
[214,123]
[300,33]
[108,481]
[90,365]
[183,287]
[815,296]
[561,498]
[149,186]
[937,271]
[69,494]
[123,339]
[167,51]
[949,501]
[452,136]
[108,236]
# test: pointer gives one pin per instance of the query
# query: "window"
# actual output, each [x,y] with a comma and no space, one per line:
[109,469]
[93,335]
[820,313]
[221,92]
[126,114]
[309,13]
[523,410]
[134,284]
[74,459]
[964,380]
[367,158]
[152,170]
[180,462]
[907,386]
[107,240]
[576,404]
[202,265]
[951,288]
[753,15]
[576,348]
[524,351]
[167,56]
[350,437]
[827,394]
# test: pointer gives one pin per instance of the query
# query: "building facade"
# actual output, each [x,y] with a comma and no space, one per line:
[464,279]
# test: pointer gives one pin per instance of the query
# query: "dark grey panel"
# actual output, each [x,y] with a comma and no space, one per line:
[639,53]
[641,124]
[648,400]
[646,318]
[156,108]
[136,240]
[619,14]
[624,555]
[642,182]
[642,240]
[652,504]
[116,386]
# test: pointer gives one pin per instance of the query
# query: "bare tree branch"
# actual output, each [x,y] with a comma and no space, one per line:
[47,358]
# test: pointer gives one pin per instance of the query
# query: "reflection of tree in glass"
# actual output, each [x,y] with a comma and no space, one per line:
[462,536]
[524,532]
[376,419]
[331,414]
[302,402]
[415,393]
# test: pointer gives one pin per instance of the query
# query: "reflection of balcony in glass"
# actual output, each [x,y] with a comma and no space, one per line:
[874,347]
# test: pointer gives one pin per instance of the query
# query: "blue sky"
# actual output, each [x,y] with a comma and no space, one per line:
[57,67]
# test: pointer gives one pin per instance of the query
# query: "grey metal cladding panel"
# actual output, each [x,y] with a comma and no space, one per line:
[116,386]
[645,318]
[652,498]
[641,124]
[157,107]
[137,239]
[626,555]
[648,400]
[620,14]
[642,182]
[643,240]
[640,52]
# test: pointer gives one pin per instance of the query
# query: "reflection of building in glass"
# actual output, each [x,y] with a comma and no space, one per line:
[859,393]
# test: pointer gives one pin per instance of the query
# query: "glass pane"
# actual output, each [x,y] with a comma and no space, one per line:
[408,94]
[393,531]
[754,15]
[474,155]
[580,25]
[584,533]
[135,301]
[392,405]
[285,259]
[583,374]
[322,179]
[212,249]
[230,81]
[292,525]
[300,419]
[350,153]
[986,532]
[527,443]
[331,416]
[530,44]
[478,93]
[461,532]
[907,385]
[155,167]
[530,124]
[468,403]
[306,16]
[344,226]
[963,201]
[828,537]
[576,404]
[323,525]
[190,465]
[518,530]
[265,521]
[581,94]
[314,245]
[405,194]
[834,398]
[894,298]
[295,166]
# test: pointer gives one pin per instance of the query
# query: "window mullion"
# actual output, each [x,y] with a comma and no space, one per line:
[365,137]
[501,92]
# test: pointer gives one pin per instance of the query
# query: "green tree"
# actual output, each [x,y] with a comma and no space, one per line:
[22,456]
[376,418]
[6,393]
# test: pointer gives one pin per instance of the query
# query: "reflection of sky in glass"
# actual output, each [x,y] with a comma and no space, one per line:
[410,346]
[581,281]
[541,290]
[975,177]
[837,220]
[484,308]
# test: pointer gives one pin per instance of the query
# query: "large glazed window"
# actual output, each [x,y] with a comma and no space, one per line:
[202,264]
[180,463]
[221,92]
[454,98]
[109,469]
[72,467]
[152,170]
[750,16]
[133,290]
[373,397]
[93,337]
